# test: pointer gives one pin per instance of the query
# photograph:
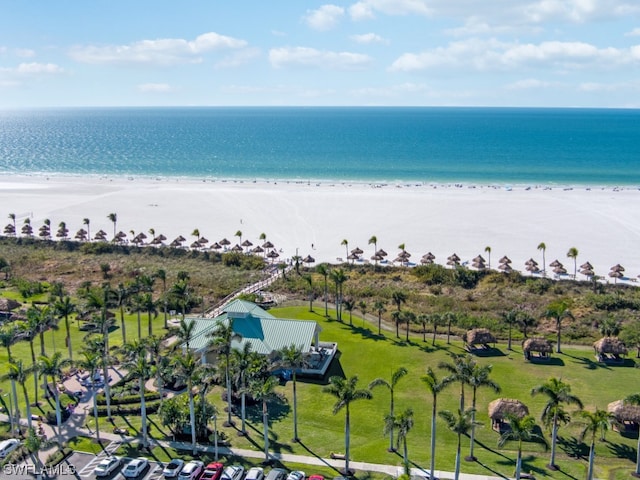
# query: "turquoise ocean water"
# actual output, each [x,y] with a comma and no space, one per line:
[480,145]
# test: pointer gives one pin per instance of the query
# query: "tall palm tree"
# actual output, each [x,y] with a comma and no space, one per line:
[137,365]
[478,378]
[294,359]
[221,339]
[180,291]
[379,307]
[8,335]
[122,294]
[436,319]
[460,371]
[33,325]
[349,305]
[408,317]
[149,306]
[594,423]
[345,242]
[399,297]
[264,390]
[339,277]
[20,373]
[52,367]
[186,369]
[510,318]
[15,374]
[557,393]
[65,307]
[487,250]
[374,240]
[543,247]
[573,253]
[309,281]
[396,376]
[90,362]
[114,218]
[162,275]
[558,311]
[403,423]
[451,318]
[243,361]
[459,423]
[434,386]
[521,429]
[239,235]
[323,269]
[635,400]
[87,222]
[346,392]
[185,332]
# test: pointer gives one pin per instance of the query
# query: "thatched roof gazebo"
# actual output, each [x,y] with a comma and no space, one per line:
[626,414]
[501,407]
[537,348]
[479,338]
[610,349]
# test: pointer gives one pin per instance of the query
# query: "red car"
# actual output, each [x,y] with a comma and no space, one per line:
[213,471]
[315,477]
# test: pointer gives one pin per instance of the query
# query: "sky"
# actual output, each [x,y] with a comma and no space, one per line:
[539,53]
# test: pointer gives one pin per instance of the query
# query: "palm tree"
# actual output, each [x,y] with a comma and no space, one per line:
[396,376]
[8,335]
[521,429]
[64,307]
[243,361]
[15,375]
[557,393]
[34,326]
[434,386]
[573,253]
[436,319]
[339,277]
[635,400]
[510,318]
[526,321]
[451,318]
[239,235]
[478,378]
[221,339]
[374,240]
[114,218]
[185,332]
[34,444]
[487,250]
[349,305]
[90,362]
[558,311]
[87,222]
[459,423]
[423,319]
[52,367]
[345,242]
[323,269]
[162,275]
[122,298]
[378,306]
[309,280]
[543,247]
[293,358]
[399,297]
[19,373]
[408,318]
[403,423]
[186,369]
[263,390]
[137,366]
[181,291]
[460,371]
[346,392]
[594,422]
[147,303]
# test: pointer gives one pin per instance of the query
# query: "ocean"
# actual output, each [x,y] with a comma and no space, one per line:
[429,145]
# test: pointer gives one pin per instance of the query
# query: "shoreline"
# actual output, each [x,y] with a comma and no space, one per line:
[310,218]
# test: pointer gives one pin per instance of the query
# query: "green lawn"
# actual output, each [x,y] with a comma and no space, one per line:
[368,356]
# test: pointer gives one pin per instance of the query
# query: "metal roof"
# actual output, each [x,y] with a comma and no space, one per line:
[242,307]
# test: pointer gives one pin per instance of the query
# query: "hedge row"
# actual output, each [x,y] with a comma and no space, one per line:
[127,399]
[128,409]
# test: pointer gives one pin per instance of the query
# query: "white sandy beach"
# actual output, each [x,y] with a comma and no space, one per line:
[313,218]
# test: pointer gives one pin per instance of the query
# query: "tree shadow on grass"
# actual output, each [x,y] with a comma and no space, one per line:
[573,448]
[527,466]
[489,449]
[311,452]
[368,334]
[278,410]
[620,450]
[587,362]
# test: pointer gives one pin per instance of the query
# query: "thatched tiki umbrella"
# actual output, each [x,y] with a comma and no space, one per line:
[610,348]
[224,243]
[479,336]
[501,407]
[626,414]
[616,274]
[100,235]
[539,345]
[428,258]
[504,260]
[308,260]
[555,263]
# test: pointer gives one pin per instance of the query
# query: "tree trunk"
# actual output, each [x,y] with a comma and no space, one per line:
[243,413]
[519,463]
[638,457]
[432,466]
[229,421]
[592,455]
[68,337]
[192,418]
[150,324]
[457,472]
[558,345]
[265,425]
[326,298]
[139,325]
[95,411]
[472,438]
[509,342]
[122,325]
[16,409]
[554,439]
[26,399]
[35,372]
[391,411]
[143,412]
[295,408]
[347,432]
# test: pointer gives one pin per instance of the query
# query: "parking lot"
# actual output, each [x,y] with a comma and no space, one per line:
[78,466]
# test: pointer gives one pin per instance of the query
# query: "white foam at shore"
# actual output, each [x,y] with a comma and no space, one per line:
[603,223]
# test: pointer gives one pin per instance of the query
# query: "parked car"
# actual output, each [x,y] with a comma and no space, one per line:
[191,470]
[8,446]
[277,474]
[255,473]
[135,467]
[213,471]
[296,475]
[106,466]
[316,477]
[173,468]
[234,472]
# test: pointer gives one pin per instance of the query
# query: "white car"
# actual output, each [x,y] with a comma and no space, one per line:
[8,446]
[173,468]
[234,472]
[255,473]
[106,466]
[135,467]
[191,470]
[296,475]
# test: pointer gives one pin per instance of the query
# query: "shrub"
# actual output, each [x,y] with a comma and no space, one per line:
[127,399]
[129,409]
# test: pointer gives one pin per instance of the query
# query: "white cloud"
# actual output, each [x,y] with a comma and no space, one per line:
[367,38]
[25,72]
[324,18]
[310,57]
[38,68]
[492,54]
[530,84]
[633,33]
[154,88]
[162,52]
[609,87]
[238,58]
[365,9]
[25,53]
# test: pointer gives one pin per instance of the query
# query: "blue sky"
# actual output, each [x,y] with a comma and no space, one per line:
[583,53]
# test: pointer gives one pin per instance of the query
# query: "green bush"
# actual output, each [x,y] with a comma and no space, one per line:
[127,399]
[128,409]
[58,456]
